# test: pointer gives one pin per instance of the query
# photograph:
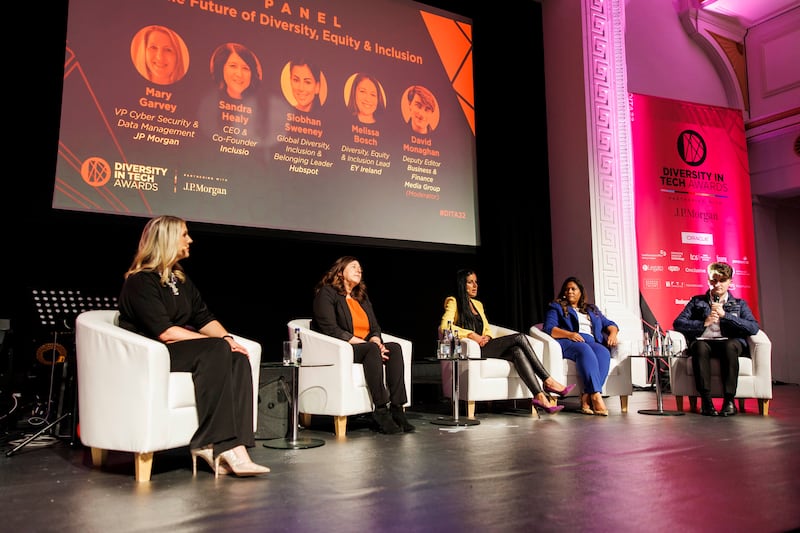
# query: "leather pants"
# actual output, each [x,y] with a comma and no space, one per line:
[518,350]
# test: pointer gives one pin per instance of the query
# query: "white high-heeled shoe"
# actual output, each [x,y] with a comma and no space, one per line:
[240,467]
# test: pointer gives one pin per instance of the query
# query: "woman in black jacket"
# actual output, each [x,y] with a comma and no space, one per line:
[342,310]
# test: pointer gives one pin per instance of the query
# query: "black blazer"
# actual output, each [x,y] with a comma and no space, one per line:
[331,315]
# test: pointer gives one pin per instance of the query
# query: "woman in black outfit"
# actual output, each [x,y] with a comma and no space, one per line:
[158,300]
[342,310]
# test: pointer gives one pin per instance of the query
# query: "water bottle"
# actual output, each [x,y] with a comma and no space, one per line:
[657,341]
[298,347]
[444,342]
[457,348]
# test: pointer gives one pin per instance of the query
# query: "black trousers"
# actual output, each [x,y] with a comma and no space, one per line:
[728,352]
[394,390]
[518,350]
[223,390]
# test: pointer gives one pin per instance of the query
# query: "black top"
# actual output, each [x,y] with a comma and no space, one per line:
[148,308]
[331,315]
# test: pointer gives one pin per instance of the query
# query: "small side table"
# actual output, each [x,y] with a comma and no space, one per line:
[293,442]
[659,411]
[455,420]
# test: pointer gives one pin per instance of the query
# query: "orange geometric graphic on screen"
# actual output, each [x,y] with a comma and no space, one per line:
[453,41]
[95,171]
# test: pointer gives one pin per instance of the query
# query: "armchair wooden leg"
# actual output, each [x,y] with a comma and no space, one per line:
[623,403]
[340,425]
[471,409]
[305,420]
[763,407]
[679,402]
[144,465]
[741,405]
[99,456]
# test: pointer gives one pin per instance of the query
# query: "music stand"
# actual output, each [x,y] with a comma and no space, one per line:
[56,310]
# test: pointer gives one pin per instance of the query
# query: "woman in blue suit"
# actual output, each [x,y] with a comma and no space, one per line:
[585,336]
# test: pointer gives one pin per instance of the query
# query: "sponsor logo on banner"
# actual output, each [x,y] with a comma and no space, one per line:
[691,237]
[651,256]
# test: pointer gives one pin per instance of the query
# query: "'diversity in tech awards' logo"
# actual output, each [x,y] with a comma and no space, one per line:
[96,172]
[691,148]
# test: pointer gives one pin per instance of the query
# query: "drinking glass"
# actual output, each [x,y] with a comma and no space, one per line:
[289,357]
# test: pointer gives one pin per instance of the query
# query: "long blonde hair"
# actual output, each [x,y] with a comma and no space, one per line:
[158,248]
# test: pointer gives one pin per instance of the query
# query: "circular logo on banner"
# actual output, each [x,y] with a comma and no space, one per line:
[692,148]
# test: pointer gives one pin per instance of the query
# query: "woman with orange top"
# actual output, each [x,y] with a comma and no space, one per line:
[343,310]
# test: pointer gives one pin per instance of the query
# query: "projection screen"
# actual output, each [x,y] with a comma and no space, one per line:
[347,117]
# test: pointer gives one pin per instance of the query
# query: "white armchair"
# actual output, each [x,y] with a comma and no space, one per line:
[755,374]
[128,399]
[337,386]
[487,379]
[619,382]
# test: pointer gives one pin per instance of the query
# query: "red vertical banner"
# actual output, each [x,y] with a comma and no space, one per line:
[693,202]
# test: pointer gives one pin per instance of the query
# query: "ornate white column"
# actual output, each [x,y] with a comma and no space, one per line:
[593,172]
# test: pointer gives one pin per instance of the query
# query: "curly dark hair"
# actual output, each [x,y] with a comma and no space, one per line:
[335,279]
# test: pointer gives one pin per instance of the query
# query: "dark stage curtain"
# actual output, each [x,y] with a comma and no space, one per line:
[257,281]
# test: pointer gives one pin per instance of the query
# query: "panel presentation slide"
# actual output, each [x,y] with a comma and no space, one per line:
[353,117]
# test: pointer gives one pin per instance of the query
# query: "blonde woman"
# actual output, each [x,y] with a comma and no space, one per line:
[158,300]
[160,55]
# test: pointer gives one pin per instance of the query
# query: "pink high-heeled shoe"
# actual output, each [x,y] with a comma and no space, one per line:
[206,453]
[561,393]
[548,409]
[240,467]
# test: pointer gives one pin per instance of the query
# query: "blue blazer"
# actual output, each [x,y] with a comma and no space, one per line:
[554,317]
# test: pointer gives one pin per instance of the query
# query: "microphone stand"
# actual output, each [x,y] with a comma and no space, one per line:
[36,435]
[60,307]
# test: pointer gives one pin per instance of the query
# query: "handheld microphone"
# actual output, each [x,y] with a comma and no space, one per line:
[715,298]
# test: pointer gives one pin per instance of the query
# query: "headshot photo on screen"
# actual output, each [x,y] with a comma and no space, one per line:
[364,97]
[420,109]
[236,70]
[159,54]
[304,85]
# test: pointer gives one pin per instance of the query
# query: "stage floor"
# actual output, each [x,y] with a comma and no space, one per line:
[513,472]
